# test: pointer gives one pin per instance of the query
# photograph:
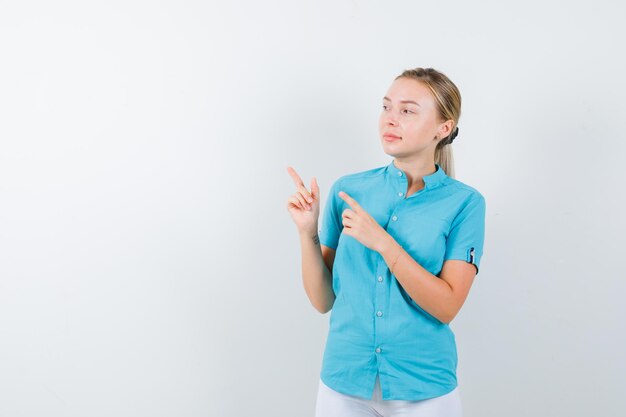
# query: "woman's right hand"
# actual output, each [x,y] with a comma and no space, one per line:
[304,206]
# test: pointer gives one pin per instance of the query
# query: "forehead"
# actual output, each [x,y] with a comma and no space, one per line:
[409,89]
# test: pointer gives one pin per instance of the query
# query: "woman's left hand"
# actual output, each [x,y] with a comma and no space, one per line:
[361,226]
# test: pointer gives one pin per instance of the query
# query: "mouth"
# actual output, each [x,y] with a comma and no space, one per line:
[391,138]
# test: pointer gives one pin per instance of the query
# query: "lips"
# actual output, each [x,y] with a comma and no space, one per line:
[390,137]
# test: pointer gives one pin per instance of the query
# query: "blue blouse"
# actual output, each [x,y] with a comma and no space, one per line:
[375,326]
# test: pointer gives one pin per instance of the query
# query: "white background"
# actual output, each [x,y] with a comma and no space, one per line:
[148,264]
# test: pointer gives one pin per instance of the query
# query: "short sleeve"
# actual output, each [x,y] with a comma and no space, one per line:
[331,224]
[467,233]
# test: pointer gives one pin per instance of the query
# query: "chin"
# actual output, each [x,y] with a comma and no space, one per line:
[390,146]
[393,153]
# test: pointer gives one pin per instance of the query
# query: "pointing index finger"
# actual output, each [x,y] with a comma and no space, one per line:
[295,176]
[351,201]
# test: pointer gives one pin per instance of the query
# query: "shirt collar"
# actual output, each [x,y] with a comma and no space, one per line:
[430,181]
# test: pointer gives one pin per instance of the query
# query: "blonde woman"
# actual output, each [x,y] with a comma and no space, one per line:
[395,256]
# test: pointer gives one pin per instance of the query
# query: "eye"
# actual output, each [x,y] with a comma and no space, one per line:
[384,107]
[407,111]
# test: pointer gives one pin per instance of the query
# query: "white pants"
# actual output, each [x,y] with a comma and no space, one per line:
[331,403]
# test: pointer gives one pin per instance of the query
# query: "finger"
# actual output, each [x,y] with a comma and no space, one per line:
[293,201]
[300,184]
[315,189]
[351,201]
[303,200]
[348,214]
[347,222]
[295,176]
[307,195]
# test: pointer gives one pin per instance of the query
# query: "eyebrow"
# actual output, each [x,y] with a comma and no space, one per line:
[403,101]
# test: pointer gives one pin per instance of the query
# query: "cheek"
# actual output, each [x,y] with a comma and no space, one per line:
[416,128]
[382,126]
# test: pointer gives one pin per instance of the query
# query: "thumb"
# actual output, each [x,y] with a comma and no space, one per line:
[315,189]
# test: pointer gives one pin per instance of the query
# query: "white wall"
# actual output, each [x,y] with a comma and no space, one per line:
[148,264]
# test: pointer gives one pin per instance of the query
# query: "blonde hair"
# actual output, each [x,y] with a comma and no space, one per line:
[448,101]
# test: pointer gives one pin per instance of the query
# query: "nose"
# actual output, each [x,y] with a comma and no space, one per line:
[390,118]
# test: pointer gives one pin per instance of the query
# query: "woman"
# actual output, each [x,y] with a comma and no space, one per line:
[397,251]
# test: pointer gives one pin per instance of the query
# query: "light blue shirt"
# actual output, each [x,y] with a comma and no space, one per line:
[375,326]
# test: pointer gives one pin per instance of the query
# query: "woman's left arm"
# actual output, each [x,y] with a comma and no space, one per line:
[441,297]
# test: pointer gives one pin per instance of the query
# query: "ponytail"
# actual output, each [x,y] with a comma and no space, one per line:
[448,99]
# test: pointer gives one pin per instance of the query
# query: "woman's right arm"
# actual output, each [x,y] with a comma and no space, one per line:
[317,259]
[317,266]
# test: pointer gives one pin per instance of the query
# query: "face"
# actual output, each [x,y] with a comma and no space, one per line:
[409,121]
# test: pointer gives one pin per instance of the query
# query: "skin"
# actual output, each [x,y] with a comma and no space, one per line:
[418,125]
[420,129]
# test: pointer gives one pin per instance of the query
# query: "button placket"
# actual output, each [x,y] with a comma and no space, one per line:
[381,294]
[381,291]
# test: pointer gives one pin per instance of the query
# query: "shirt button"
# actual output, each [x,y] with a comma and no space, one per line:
[399,173]
[400,193]
[379,313]
[380,278]
[378,350]
[394,218]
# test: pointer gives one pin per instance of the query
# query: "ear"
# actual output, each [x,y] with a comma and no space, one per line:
[445,129]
